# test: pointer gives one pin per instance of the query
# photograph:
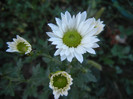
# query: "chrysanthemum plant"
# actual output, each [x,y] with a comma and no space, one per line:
[73,36]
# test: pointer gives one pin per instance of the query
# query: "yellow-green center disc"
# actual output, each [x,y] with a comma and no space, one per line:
[59,81]
[72,38]
[22,47]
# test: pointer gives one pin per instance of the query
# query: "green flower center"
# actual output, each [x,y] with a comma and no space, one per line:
[59,81]
[22,47]
[95,26]
[72,38]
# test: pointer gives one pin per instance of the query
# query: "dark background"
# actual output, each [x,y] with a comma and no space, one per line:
[23,77]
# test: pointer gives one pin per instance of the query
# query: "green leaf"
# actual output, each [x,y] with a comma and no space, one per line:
[73,93]
[91,77]
[39,76]
[30,91]
[1,43]
[118,70]
[45,93]
[36,70]
[122,10]
[8,89]
[95,64]
[99,13]
[19,65]
[107,60]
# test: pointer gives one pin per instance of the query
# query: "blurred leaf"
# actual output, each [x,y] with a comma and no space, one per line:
[130,57]
[1,43]
[126,50]
[92,8]
[101,91]
[99,13]
[95,64]
[19,65]
[125,31]
[45,93]
[30,91]
[73,93]
[8,89]
[124,12]
[108,61]
[39,76]
[91,77]
[84,78]
[36,70]
[118,70]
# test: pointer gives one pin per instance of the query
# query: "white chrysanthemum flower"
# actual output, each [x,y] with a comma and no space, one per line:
[60,83]
[75,35]
[20,45]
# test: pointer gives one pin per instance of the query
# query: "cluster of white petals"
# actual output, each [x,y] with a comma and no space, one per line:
[60,91]
[87,28]
[13,46]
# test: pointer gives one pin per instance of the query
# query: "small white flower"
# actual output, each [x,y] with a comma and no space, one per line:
[20,45]
[75,35]
[98,24]
[60,83]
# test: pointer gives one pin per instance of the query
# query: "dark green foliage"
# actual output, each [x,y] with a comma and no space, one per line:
[106,75]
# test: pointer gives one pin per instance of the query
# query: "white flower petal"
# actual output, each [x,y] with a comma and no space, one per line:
[80,49]
[95,45]
[78,18]
[18,37]
[58,21]
[72,23]
[58,33]
[9,50]
[99,25]
[96,40]
[80,27]
[79,57]
[56,30]
[83,16]
[67,16]
[62,52]
[90,50]
[70,57]
[56,96]
[50,34]
[67,52]
[15,40]
[58,42]
[57,52]
[55,39]
[71,49]
[53,27]
[66,93]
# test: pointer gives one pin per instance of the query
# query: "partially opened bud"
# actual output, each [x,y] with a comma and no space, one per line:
[20,45]
[60,83]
